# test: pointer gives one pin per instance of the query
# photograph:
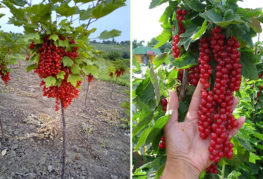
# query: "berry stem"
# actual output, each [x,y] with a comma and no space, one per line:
[64,142]
[223,171]
[113,87]
[87,95]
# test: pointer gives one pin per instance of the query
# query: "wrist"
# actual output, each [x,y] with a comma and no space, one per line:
[179,168]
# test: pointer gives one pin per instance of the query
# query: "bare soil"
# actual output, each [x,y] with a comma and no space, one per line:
[97,147]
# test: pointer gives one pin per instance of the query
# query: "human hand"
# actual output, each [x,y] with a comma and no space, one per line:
[184,147]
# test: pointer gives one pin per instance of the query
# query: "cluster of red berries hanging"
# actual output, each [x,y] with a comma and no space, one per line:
[119,72]
[50,64]
[111,74]
[176,38]
[162,143]
[164,104]
[194,75]
[5,75]
[215,111]
[90,78]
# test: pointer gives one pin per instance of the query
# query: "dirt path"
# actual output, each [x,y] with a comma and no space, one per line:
[97,147]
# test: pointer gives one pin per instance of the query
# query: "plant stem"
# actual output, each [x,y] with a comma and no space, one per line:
[87,95]
[113,87]
[223,171]
[184,85]
[2,130]
[64,142]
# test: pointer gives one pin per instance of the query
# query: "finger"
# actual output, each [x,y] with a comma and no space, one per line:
[173,106]
[195,103]
[240,123]
[235,102]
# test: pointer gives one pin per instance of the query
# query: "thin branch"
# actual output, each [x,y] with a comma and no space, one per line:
[184,85]
[90,22]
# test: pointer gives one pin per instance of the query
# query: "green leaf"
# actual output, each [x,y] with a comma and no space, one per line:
[212,16]
[248,61]
[253,157]
[145,93]
[166,15]
[142,138]
[40,13]
[54,37]
[18,2]
[1,15]
[109,34]
[201,31]
[63,43]
[155,83]
[155,3]
[86,14]
[195,5]
[50,81]
[160,59]
[157,129]
[31,36]
[31,67]
[90,69]
[185,61]
[67,61]
[65,10]
[75,69]
[73,79]
[255,25]
[61,75]
[142,124]
[163,37]
[106,8]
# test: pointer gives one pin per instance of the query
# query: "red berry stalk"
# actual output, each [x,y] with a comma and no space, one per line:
[50,64]
[194,75]
[164,104]
[216,118]
[162,143]
[90,78]
[176,38]
[5,75]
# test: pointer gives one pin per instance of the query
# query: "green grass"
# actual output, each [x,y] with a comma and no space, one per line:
[122,80]
[112,47]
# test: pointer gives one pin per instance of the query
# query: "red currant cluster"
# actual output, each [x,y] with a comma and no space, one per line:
[215,111]
[120,72]
[164,104]
[111,74]
[50,64]
[32,45]
[162,143]
[176,38]
[4,74]
[90,78]
[194,75]
[212,169]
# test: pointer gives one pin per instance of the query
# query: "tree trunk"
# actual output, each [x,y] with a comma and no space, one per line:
[64,142]
[87,95]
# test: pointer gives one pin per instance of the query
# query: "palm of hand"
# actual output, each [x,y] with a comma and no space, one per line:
[182,138]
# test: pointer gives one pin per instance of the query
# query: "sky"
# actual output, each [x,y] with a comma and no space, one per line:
[145,22]
[118,19]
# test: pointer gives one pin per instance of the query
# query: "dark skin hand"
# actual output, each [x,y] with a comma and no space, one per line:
[187,153]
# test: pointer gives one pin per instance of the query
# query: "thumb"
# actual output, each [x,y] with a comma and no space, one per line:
[173,106]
